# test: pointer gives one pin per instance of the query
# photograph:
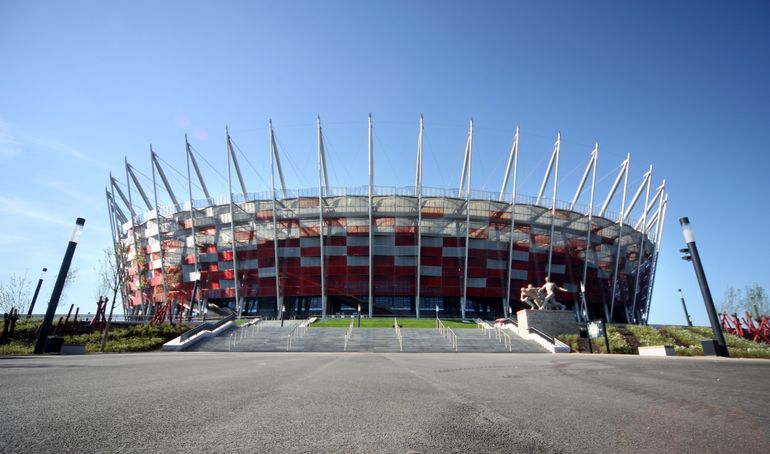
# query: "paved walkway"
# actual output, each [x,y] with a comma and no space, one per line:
[383,403]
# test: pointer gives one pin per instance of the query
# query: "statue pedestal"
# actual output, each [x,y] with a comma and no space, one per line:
[549,322]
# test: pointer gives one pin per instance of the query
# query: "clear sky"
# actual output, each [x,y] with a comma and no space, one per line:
[679,85]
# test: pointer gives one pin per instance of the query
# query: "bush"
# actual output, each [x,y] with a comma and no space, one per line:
[617,341]
[648,336]
[572,340]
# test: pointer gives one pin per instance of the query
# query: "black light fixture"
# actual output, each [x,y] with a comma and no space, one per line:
[59,286]
[692,256]
[37,290]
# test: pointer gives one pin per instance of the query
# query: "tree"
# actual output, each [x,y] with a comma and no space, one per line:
[756,300]
[109,274]
[72,274]
[731,302]
[16,292]
[752,298]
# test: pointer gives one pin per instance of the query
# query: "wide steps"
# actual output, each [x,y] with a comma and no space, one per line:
[270,336]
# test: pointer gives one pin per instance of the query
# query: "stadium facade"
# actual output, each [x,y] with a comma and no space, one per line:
[390,251]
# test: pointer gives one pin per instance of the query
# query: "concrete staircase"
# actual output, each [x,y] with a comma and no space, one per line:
[479,341]
[269,336]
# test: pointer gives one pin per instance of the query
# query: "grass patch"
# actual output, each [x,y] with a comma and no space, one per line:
[132,338]
[617,341]
[387,322]
[648,336]
[686,341]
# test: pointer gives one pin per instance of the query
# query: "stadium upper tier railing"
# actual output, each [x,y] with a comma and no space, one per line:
[404,191]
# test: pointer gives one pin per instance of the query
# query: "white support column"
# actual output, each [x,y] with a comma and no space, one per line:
[469,162]
[116,251]
[611,194]
[139,270]
[277,157]
[546,177]
[193,298]
[620,235]
[197,169]
[163,178]
[321,179]
[371,220]
[640,256]
[588,248]
[418,191]
[130,170]
[553,201]
[273,159]
[230,152]
[158,220]
[115,188]
[658,239]
[514,156]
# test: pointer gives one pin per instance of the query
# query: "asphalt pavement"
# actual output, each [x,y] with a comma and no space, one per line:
[382,402]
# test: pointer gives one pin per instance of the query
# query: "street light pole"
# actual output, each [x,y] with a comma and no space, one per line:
[359,315]
[684,306]
[692,250]
[37,290]
[59,286]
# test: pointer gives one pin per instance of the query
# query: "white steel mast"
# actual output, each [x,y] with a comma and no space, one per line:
[139,270]
[553,200]
[273,160]
[513,157]
[196,287]
[620,237]
[658,240]
[588,248]
[321,178]
[371,219]
[418,191]
[230,153]
[467,166]
[640,255]
[158,221]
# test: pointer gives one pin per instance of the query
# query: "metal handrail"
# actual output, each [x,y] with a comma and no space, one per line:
[505,338]
[452,338]
[545,336]
[348,335]
[485,326]
[208,326]
[298,331]
[398,334]
[447,333]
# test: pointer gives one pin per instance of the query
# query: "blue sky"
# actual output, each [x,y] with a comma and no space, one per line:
[679,85]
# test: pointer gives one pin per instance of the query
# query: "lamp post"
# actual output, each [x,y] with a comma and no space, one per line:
[684,306]
[436,316]
[37,290]
[283,310]
[59,286]
[691,254]
[359,315]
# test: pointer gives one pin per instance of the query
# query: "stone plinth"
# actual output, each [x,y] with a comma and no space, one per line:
[657,350]
[549,322]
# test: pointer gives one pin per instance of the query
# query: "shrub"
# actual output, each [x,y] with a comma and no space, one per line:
[648,336]
[617,341]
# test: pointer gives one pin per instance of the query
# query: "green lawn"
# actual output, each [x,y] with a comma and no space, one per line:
[387,322]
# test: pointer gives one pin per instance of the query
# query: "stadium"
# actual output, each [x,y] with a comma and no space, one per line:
[406,251]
